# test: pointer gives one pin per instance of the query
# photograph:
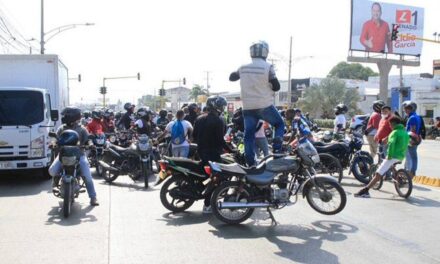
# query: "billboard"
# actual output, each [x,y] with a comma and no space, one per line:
[372,25]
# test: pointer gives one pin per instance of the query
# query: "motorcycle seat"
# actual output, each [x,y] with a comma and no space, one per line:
[118,148]
[189,164]
[261,179]
[331,147]
[233,168]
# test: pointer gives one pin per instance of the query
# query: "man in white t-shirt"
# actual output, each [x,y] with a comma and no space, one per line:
[182,148]
[340,121]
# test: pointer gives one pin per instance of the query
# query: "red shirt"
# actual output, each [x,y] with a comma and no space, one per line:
[95,127]
[384,129]
[374,120]
[378,35]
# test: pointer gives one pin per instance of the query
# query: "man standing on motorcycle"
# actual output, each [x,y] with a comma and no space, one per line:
[373,126]
[71,117]
[209,131]
[258,84]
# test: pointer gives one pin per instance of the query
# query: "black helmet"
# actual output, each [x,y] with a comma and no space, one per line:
[296,110]
[192,107]
[217,103]
[377,105]
[341,109]
[409,103]
[70,114]
[96,114]
[118,115]
[128,106]
[143,112]
[163,113]
[108,113]
[87,114]
[68,138]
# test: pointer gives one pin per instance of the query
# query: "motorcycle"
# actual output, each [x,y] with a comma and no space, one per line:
[95,154]
[350,155]
[272,184]
[136,161]
[71,183]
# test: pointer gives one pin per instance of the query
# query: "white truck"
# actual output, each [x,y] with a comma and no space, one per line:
[33,91]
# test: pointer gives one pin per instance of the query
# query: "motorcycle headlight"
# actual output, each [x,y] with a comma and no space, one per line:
[68,160]
[112,139]
[100,141]
[315,159]
[144,146]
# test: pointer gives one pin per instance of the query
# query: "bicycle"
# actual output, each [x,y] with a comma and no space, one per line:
[400,177]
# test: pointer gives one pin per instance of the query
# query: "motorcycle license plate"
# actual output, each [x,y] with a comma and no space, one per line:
[6,165]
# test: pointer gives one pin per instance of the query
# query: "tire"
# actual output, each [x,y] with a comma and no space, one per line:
[164,191]
[216,196]
[403,183]
[361,168]
[146,172]
[373,170]
[99,169]
[45,174]
[327,184]
[67,200]
[329,165]
[109,176]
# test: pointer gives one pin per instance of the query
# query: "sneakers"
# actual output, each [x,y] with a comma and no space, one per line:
[362,193]
[207,209]
[94,201]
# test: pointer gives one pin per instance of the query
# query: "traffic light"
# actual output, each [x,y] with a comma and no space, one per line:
[103,90]
[184,81]
[162,92]
[395,32]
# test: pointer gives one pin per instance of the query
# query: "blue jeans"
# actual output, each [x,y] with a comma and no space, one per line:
[251,118]
[180,151]
[411,160]
[261,144]
[56,167]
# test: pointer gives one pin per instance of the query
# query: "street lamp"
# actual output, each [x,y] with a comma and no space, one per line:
[53,32]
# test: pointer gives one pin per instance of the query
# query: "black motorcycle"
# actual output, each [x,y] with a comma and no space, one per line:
[272,184]
[350,155]
[95,154]
[136,161]
[71,183]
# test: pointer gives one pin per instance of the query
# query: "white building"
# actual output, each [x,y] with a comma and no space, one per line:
[177,96]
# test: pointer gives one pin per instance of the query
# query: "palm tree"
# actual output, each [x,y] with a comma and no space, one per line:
[198,90]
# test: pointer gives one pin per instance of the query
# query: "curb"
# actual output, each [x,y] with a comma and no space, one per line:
[430,181]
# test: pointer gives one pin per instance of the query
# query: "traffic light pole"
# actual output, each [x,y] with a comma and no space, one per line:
[104,88]
[162,89]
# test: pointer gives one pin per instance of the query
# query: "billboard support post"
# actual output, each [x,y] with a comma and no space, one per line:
[384,70]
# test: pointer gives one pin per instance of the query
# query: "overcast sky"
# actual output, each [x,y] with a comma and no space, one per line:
[172,39]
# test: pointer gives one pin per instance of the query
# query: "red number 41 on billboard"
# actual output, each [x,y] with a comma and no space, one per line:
[405,17]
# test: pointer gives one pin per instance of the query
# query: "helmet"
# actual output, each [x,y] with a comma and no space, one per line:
[259,49]
[96,114]
[217,103]
[143,112]
[68,138]
[118,115]
[377,105]
[192,107]
[163,113]
[341,109]
[108,113]
[409,103]
[296,110]
[128,106]
[87,114]
[70,114]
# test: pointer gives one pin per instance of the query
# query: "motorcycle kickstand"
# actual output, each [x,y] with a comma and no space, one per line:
[274,222]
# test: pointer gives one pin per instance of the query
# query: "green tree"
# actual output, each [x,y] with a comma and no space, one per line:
[354,71]
[321,99]
[197,90]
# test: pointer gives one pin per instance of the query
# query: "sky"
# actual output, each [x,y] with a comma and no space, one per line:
[175,39]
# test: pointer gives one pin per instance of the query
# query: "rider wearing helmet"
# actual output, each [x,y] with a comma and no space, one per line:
[414,126]
[373,126]
[70,117]
[340,121]
[209,131]
[162,121]
[86,119]
[144,124]
[95,127]
[258,84]
[193,110]
[126,119]
[108,122]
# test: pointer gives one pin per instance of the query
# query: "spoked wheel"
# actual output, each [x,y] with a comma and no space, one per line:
[329,165]
[326,197]
[231,192]
[67,200]
[361,168]
[373,170]
[403,183]
[169,194]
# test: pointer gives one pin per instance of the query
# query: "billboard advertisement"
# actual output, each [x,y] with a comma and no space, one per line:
[372,25]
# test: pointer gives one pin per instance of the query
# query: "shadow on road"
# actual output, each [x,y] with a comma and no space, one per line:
[132,186]
[78,215]
[185,218]
[312,236]
[23,184]
[413,200]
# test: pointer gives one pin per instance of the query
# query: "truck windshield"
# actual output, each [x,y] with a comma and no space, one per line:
[21,108]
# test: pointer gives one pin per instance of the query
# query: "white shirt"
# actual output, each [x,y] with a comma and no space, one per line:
[260,133]
[339,119]
[139,123]
[186,126]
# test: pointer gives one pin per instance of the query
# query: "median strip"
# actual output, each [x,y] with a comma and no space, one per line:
[431,181]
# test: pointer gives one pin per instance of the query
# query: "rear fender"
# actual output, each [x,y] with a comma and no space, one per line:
[307,185]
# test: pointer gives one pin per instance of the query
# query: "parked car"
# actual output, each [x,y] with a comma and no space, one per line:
[359,123]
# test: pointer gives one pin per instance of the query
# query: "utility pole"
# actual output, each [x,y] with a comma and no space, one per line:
[207,81]
[42,28]
[289,82]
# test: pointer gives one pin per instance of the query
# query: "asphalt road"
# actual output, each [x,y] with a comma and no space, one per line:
[131,226]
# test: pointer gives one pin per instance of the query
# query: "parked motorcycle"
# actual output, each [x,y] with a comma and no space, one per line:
[134,161]
[272,184]
[95,154]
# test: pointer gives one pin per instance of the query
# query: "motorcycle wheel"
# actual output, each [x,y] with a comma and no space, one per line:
[109,176]
[231,191]
[67,201]
[325,199]
[329,165]
[146,172]
[361,168]
[175,205]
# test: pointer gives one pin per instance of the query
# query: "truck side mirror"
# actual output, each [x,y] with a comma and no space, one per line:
[54,115]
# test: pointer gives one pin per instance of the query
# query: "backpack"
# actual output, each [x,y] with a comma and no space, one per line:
[177,133]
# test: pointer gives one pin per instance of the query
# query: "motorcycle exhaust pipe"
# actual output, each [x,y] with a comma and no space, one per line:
[239,205]
[106,166]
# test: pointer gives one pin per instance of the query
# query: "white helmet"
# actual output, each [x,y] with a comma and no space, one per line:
[259,49]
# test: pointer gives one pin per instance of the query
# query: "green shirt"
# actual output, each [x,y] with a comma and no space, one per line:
[398,143]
